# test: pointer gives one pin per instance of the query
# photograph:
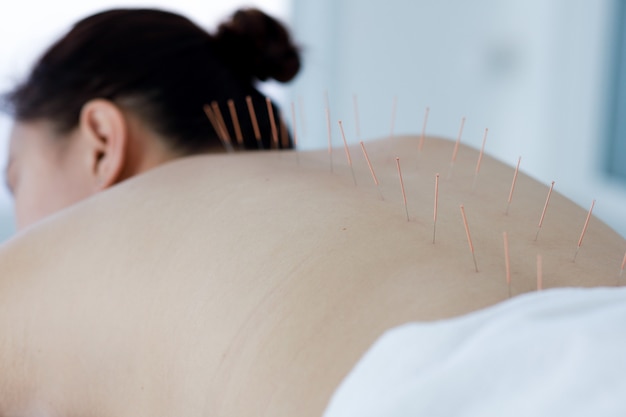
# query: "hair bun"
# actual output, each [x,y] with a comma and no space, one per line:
[256,45]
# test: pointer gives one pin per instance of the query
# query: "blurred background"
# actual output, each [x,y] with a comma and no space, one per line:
[545,76]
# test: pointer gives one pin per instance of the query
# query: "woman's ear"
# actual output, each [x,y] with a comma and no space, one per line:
[105,130]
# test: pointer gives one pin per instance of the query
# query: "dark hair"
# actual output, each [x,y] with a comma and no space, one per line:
[164,68]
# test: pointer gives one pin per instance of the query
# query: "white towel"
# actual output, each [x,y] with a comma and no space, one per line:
[551,353]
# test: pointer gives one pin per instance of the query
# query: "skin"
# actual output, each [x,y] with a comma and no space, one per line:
[39,175]
[236,285]
[47,171]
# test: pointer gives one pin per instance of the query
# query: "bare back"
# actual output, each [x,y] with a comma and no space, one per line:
[250,284]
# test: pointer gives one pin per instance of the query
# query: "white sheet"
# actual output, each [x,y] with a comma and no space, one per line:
[551,353]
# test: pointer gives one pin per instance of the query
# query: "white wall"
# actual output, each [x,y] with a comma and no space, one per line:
[27,27]
[534,71]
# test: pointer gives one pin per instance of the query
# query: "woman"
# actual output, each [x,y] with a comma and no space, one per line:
[248,285]
[127,90]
